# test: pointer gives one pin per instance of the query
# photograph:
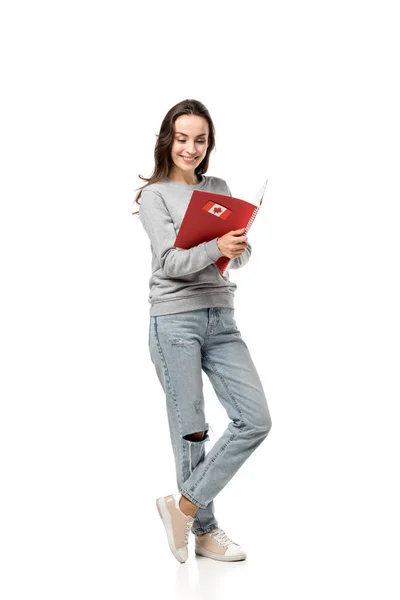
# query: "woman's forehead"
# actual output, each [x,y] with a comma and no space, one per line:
[191,124]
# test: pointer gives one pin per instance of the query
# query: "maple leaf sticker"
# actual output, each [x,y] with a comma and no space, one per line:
[217,209]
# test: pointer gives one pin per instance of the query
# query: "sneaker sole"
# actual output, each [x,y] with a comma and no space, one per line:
[222,557]
[166,519]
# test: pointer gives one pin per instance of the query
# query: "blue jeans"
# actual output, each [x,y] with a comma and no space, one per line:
[181,346]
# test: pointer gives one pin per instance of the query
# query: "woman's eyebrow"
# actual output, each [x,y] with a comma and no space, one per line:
[180,133]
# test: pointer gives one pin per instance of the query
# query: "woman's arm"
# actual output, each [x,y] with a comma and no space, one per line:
[158,224]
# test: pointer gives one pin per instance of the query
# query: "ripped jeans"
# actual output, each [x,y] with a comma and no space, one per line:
[181,345]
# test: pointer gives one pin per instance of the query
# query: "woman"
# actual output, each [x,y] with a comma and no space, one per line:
[193,328]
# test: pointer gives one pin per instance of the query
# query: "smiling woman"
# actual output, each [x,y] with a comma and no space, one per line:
[190,145]
[193,329]
[184,144]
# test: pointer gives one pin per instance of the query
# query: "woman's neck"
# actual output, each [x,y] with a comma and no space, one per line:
[188,178]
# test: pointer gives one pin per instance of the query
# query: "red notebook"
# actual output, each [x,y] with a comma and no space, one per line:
[211,215]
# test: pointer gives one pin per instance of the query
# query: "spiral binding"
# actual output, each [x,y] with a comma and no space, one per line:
[250,223]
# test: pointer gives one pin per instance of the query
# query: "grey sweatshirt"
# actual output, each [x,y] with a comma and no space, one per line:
[183,280]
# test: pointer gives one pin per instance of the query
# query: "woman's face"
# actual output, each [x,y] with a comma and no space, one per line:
[190,142]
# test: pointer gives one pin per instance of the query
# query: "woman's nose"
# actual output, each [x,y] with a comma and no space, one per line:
[190,148]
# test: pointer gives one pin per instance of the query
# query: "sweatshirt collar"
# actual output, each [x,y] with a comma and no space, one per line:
[186,186]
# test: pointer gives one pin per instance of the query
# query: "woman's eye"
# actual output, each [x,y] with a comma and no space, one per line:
[198,141]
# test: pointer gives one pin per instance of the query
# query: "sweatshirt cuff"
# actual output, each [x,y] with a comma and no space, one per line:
[212,250]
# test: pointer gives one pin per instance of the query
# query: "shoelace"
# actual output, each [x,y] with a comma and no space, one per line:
[188,527]
[221,538]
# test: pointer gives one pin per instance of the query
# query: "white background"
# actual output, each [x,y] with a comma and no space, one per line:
[302,93]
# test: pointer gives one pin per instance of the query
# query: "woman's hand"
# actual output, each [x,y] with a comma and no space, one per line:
[233,243]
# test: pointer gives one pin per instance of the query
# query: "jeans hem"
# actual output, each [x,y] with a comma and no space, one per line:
[192,499]
[205,529]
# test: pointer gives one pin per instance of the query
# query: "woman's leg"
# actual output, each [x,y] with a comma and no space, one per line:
[175,343]
[227,362]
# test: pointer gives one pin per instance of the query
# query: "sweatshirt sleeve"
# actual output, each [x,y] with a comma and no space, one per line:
[240,261]
[158,224]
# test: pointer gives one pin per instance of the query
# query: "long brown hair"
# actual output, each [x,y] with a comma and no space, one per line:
[162,150]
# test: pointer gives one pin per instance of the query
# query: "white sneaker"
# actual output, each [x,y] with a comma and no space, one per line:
[177,525]
[217,545]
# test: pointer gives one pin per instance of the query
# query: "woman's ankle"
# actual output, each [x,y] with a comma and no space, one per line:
[187,507]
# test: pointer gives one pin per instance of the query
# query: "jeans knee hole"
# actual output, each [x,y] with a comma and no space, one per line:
[197,436]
